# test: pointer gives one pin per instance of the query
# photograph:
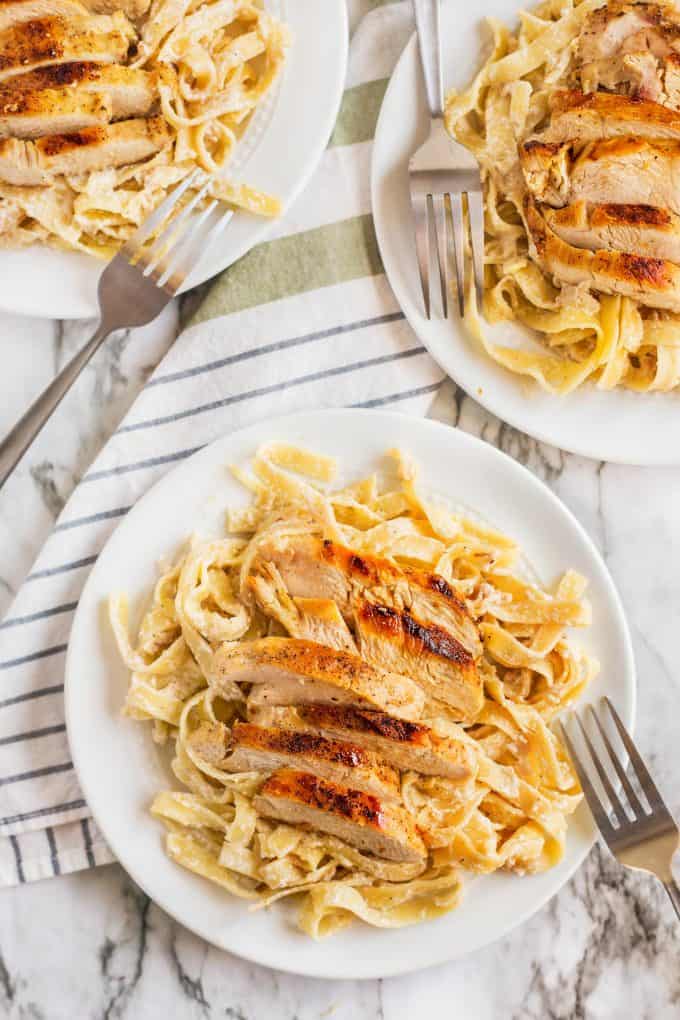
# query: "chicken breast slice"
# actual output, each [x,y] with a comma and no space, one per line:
[617,28]
[51,111]
[580,117]
[36,163]
[316,568]
[398,641]
[405,621]
[289,671]
[49,41]
[367,822]
[652,282]
[317,620]
[625,171]
[643,229]
[408,746]
[13,12]
[133,92]
[266,748]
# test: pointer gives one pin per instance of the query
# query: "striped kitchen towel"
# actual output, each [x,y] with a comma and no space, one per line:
[305,320]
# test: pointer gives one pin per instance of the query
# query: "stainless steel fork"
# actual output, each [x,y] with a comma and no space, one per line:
[134,288]
[641,836]
[444,180]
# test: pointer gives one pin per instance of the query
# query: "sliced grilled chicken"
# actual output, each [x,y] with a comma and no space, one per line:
[643,229]
[133,92]
[594,116]
[36,163]
[546,167]
[406,621]
[365,821]
[49,41]
[265,749]
[317,620]
[313,568]
[289,671]
[406,745]
[652,282]
[400,642]
[13,12]
[617,28]
[626,171]
[52,111]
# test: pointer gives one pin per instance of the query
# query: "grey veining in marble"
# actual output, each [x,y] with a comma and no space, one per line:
[92,946]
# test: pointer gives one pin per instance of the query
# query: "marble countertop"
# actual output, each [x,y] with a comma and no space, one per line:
[91,945]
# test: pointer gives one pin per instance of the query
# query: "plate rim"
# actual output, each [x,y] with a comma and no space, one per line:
[616,609]
[605,452]
[262,226]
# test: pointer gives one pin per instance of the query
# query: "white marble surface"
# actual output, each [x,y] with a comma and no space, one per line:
[91,945]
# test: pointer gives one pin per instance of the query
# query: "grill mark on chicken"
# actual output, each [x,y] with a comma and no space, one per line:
[54,40]
[379,723]
[653,282]
[410,746]
[384,829]
[639,215]
[429,638]
[352,804]
[593,116]
[133,92]
[300,742]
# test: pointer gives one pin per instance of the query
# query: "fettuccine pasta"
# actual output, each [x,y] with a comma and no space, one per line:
[510,812]
[608,339]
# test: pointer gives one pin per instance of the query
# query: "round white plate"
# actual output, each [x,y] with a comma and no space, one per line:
[120,769]
[622,426]
[277,154]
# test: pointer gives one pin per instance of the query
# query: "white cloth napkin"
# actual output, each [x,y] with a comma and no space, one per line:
[306,320]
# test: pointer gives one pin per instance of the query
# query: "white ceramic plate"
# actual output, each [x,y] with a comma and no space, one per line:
[120,769]
[296,124]
[620,426]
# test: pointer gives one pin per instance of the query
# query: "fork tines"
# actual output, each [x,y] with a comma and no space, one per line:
[171,240]
[448,215]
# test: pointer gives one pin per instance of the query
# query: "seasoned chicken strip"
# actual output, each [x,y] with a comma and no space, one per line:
[34,44]
[590,117]
[35,163]
[619,28]
[317,620]
[407,621]
[288,671]
[409,746]
[133,92]
[626,171]
[13,12]
[643,229]
[361,819]
[49,112]
[265,749]
[652,282]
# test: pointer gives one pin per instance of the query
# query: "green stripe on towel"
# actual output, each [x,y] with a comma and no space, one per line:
[303,262]
[358,114]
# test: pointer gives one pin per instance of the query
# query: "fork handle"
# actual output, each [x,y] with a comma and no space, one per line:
[427,14]
[20,437]
[674,895]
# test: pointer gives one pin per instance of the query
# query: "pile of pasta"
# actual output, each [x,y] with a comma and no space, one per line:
[609,339]
[511,813]
[216,62]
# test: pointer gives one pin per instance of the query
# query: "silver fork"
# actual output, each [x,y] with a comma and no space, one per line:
[134,288]
[647,840]
[444,178]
